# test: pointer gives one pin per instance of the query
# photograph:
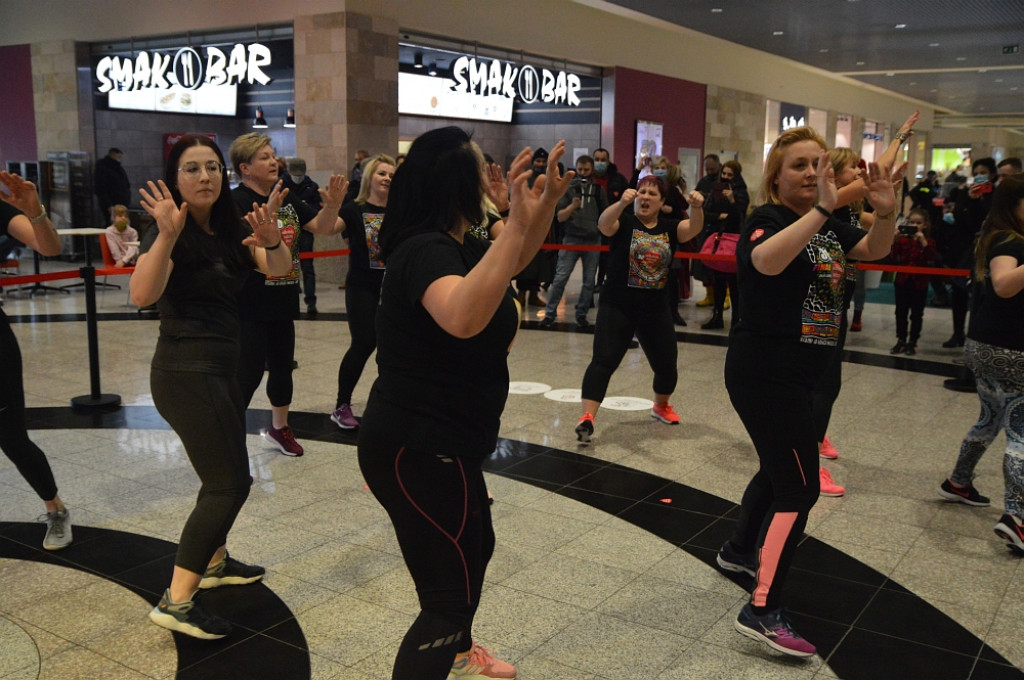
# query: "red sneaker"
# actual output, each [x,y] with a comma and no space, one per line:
[829,487]
[284,439]
[665,413]
[481,664]
[827,450]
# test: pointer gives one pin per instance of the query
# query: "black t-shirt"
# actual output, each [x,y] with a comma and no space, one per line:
[199,306]
[274,298]
[995,320]
[435,392]
[362,229]
[639,260]
[804,303]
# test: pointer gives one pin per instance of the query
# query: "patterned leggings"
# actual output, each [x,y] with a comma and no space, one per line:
[999,373]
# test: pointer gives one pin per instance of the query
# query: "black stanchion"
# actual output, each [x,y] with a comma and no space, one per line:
[963,382]
[94,400]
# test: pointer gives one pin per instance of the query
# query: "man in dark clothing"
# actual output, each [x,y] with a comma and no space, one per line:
[302,186]
[607,176]
[111,183]
[355,180]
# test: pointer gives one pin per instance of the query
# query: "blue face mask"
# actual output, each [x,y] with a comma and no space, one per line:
[660,172]
[600,167]
[948,218]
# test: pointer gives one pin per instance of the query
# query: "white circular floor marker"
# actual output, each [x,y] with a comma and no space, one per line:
[520,387]
[566,395]
[627,404]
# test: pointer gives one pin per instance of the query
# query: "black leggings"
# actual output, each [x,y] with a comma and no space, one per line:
[616,324]
[361,304]
[772,395]
[726,282]
[306,265]
[26,456]
[910,302]
[204,411]
[438,505]
[270,346]
[827,390]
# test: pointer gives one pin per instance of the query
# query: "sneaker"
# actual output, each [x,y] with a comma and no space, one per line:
[585,428]
[582,324]
[730,560]
[311,311]
[829,487]
[827,450]
[856,327]
[344,418]
[898,348]
[1009,529]
[284,439]
[188,618]
[231,572]
[547,322]
[480,665]
[911,350]
[58,529]
[665,414]
[963,494]
[773,629]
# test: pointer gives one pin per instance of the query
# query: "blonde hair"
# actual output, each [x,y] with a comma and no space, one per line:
[245,147]
[773,164]
[119,210]
[841,157]
[370,167]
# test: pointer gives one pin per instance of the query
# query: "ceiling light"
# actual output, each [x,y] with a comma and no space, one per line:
[823,50]
[860,63]
[933,90]
[778,32]
[432,71]
[289,121]
[259,121]
[901,25]
[961,58]
[889,75]
[716,10]
[933,44]
[418,60]
[1014,88]
[998,80]
[913,83]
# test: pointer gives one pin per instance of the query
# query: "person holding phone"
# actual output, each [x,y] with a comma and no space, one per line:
[913,248]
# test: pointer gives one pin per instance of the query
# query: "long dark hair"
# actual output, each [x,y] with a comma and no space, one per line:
[224,218]
[1002,224]
[439,186]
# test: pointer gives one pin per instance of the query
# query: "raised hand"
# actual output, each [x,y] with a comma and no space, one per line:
[277,196]
[695,199]
[334,192]
[23,194]
[828,194]
[158,202]
[497,187]
[263,223]
[628,196]
[880,191]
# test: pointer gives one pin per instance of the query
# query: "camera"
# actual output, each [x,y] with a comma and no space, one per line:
[908,230]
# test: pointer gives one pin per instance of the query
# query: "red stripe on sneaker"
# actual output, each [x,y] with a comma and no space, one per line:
[771,552]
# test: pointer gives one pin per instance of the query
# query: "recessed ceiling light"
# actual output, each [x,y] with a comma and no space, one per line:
[901,25]
[961,58]
[778,32]
[933,44]
[982,70]
[889,75]
[716,10]
[913,83]
[823,50]
[1014,88]
[999,80]
[933,90]
[860,63]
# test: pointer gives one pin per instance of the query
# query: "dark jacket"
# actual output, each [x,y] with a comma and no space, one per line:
[111,184]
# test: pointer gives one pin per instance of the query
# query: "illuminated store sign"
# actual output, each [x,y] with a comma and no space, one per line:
[478,77]
[185,69]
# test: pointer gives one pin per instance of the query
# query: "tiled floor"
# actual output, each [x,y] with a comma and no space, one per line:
[604,565]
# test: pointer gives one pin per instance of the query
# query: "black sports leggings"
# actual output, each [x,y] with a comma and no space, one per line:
[26,456]
[771,389]
[616,324]
[269,346]
[204,411]
[438,505]
[831,382]
[361,304]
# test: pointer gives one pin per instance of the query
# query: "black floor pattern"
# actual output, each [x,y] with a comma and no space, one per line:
[864,624]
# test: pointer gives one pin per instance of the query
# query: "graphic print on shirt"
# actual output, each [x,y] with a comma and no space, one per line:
[371,225]
[288,225]
[823,306]
[649,258]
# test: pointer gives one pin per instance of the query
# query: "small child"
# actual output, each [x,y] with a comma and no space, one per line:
[119,235]
[914,248]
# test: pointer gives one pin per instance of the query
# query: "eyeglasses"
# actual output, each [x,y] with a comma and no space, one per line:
[192,170]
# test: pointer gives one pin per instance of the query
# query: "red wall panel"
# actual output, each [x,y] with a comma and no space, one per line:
[18,113]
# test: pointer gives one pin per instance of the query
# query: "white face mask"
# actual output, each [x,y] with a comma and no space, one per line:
[298,178]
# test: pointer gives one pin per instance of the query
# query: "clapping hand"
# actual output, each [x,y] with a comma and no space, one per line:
[263,223]
[23,194]
[497,187]
[334,192]
[533,208]
[880,191]
[828,194]
[158,202]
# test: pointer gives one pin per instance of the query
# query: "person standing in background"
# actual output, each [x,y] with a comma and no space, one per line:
[302,185]
[110,182]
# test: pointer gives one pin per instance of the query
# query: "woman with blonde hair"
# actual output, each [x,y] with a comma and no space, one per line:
[787,254]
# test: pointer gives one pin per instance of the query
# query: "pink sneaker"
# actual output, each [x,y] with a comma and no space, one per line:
[665,413]
[480,664]
[829,487]
[344,418]
[827,450]
[284,439]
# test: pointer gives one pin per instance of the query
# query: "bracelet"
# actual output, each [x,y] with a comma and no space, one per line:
[887,216]
[826,213]
[902,136]
[275,246]
[40,217]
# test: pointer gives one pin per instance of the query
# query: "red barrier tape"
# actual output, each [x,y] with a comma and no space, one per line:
[37,278]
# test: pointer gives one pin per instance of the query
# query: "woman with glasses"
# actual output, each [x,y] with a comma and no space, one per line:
[270,305]
[193,266]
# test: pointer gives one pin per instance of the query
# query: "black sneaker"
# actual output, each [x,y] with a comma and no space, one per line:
[188,618]
[963,494]
[311,311]
[898,348]
[1007,528]
[731,560]
[582,324]
[231,572]
[585,428]
[547,322]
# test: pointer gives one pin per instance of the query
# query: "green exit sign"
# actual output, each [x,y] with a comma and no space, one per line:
[1011,49]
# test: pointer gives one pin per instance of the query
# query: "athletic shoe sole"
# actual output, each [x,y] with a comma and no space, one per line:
[218,581]
[754,635]
[339,424]
[583,434]
[663,419]
[170,622]
[1016,543]
[735,567]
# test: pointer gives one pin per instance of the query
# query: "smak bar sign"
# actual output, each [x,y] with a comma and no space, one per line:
[186,68]
[495,78]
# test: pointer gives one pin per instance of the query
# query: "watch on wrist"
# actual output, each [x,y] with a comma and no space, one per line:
[902,136]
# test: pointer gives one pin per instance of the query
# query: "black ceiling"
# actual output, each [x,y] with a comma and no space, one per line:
[948,53]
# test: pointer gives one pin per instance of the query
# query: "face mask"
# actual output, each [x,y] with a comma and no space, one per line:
[659,172]
[600,167]
[298,178]
[948,218]
[121,224]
